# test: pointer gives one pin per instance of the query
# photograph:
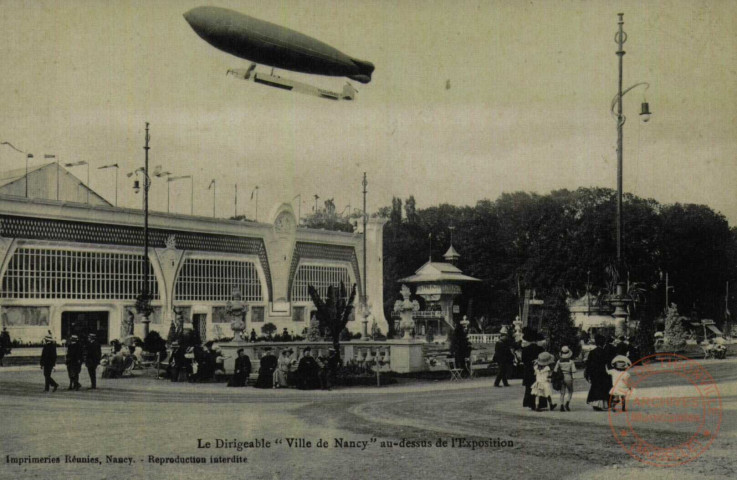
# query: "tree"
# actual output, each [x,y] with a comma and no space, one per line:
[675,335]
[334,312]
[645,337]
[268,329]
[561,331]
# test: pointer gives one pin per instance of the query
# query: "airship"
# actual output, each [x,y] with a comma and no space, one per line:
[265,43]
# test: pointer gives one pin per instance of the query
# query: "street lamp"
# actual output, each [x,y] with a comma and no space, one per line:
[620,313]
[255,192]
[116,167]
[213,186]
[28,155]
[143,302]
[79,164]
[191,191]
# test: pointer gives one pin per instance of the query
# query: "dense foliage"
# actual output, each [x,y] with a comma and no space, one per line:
[559,241]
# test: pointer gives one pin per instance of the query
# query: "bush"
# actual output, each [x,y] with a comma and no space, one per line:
[153,343]
[675,335]
[268,329]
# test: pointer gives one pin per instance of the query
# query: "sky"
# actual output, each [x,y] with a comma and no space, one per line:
[527,108]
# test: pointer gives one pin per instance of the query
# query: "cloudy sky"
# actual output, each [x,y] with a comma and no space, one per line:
[527,109]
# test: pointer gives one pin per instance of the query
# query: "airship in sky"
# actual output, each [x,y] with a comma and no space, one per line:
[268,44]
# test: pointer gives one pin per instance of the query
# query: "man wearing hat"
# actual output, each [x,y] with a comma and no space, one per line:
[48,362]
[267,365]
[503,357]
[92,357]
[74,362]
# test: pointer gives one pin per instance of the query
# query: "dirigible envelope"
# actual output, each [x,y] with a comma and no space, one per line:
[269,44]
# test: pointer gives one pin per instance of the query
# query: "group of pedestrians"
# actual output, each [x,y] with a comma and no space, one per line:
[88,353]
[606,368]
[305,373]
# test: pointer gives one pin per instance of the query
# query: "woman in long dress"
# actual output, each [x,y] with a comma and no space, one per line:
[530,351]
[596,374]
[282,371]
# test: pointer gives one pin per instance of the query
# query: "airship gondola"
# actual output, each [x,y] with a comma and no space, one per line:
[265,43]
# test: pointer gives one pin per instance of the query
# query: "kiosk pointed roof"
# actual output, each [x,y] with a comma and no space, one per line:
[438,272]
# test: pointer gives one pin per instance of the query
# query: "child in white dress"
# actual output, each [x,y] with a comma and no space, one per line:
[620,381]
[543,388]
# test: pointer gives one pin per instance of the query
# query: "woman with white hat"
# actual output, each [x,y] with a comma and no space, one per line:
[542,388]
[567,367]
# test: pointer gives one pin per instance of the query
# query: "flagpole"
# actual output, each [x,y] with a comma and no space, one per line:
[236,199]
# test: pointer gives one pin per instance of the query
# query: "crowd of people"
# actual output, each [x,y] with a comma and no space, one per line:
[303,371]
[544,373]
[87,353]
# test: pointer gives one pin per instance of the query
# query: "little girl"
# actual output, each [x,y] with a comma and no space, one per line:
[542,388]
[620,381]
[568,367]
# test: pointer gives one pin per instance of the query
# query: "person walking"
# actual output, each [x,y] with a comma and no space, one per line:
[530,351]
[5,344]
[620,381]
[503,357]
[567,367]
[75,357]
[542,388]
[92,357]
[48,362]
[596,374]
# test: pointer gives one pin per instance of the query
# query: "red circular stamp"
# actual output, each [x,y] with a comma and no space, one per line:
[665,409]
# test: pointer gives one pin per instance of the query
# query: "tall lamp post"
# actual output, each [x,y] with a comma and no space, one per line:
[116,167]
[28,156]
[143,302]
[620,301]
[191,191]
[213,187]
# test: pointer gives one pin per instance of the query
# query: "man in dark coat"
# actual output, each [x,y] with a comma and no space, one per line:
[92,357]
[266,368]
[75,357]
[308,371]
[610,349]
[4,344]
[597,376]
[48,362]
[241,370]
[503,357]
[530,351]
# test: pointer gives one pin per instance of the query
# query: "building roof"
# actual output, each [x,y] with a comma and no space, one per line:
[10,176]
[451,254]
[39,177]
[435,272]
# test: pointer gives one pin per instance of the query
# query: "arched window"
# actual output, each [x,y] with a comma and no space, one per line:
[36,272]
[320,277]
[212,279]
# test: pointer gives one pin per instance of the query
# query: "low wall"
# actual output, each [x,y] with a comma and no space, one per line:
[403,356]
